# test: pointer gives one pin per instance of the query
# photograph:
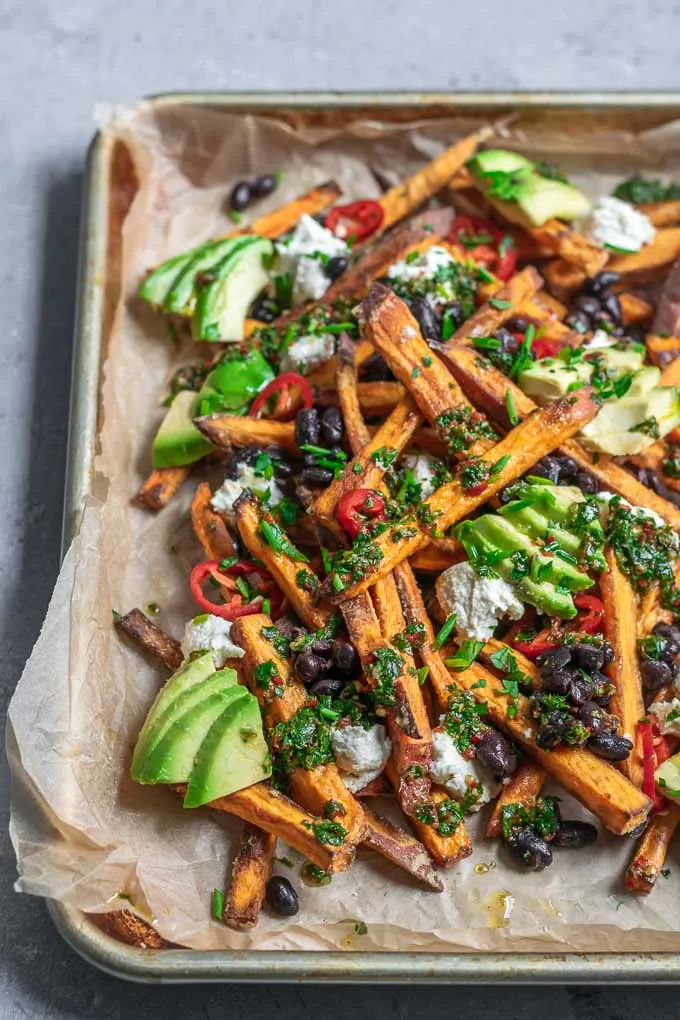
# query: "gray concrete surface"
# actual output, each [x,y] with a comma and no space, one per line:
[57,59]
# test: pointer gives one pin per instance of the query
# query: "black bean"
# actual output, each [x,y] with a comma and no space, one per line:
[587,657]
[601,282]
[264,185]
[608,653]
[594,717]
[322,647]
[310,667]
[307,427]
[611,304]
[586,483]
[517,324]
[508,343]
[332,427]
[604,321]
[610,746]
[548,736]
[428,322]
[568,467]
[655,675]
[587,303]
[376,369]
[336,266]
[264,308]
[549,468]
[555,659]
[241,196]
[671,634]
[346,662]
[578,321]
[558,681]
[281,897]
[329,685]
[316,477]
[572,835]
[581,690]
[529,848]
[289,628]
[497,752]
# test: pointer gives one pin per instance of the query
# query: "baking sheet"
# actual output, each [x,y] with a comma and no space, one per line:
[84,834]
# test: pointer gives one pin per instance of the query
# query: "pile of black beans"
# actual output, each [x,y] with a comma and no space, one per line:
[561,470]
[244,193]
[535,851]
[596,306]
[318,427]
[575,673]
[324,665]
[658,659]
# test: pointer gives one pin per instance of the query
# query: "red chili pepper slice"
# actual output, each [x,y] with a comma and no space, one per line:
[465,230]
[356,506]
[591,618]
[357,220]
[233,609]
[542,642]
[282,382]
[648,760]
[543,348]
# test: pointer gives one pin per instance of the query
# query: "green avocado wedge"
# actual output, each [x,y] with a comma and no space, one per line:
[172,758]
[167,713]
[190,674]
[158,283]
[178,441]
[181,298]
[237,279]
[233,755]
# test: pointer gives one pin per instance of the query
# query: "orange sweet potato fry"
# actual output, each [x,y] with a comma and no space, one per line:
[650,852]
[210,529]
[228,430]
[522,788]
[250,873]
[139,628]
[489,317]
[160,487]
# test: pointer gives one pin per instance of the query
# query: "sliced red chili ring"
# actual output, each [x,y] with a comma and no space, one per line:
[210,569]
[357,220]
[282,382]
[591,617]
[486,244]
[544,348]
[356,506]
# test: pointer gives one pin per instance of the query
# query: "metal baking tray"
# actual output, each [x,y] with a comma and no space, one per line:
[110,187]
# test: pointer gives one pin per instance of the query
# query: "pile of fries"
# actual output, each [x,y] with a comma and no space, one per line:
[317,581]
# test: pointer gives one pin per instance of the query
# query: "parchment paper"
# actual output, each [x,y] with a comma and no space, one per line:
[84,834]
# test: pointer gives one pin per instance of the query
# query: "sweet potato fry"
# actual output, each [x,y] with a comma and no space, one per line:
[438,555]
[346,384]
[405,197]
[487,388]
[210,529]
[249,876]
[364,471]
[324,375]
[663,351]
[671,377]
[489,317]
[620,629]
[376,399]
[402,849]
[281,220]
[604,790]
[522,788]
[395,334]
[639,267]
[650,852]
[532,439]
[313,788]
[634,308]
[287,565]
[653,459]
[662,214]
[228,430]
[571,246]
[160,487]
[151,638]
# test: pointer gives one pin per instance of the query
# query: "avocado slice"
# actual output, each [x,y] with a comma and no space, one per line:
[667,777]
[178,441]
[622,361]
[157,284]
[616,427]
[181,298]
[494,160]
[544,594]
[537,525]
[187,676]
[233,755]
[171,760]
[166,713]
[541,200]
[238,278]
[551,378]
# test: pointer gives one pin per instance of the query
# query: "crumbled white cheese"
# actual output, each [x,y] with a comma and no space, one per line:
[208,633]
[640,511]
[619,225]
[668,714]
[424,267]
[360,754]
[599,341]
[308,353]
[299,256]
[424,469]
[246,478]
[458,775]
[478,602]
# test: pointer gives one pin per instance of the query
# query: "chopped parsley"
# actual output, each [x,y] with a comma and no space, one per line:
[464,718]
[328,833]
[461,427]
[384,457]
[280,642]
[542,818]
[383,672]
[303,741]
[639,191]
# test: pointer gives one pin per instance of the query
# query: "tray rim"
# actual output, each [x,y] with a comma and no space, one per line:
[201,966]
